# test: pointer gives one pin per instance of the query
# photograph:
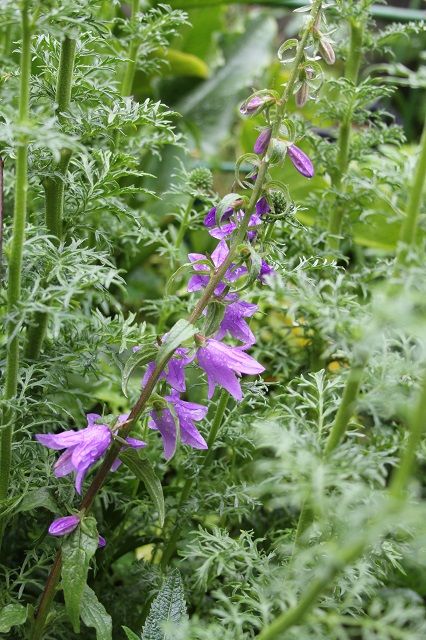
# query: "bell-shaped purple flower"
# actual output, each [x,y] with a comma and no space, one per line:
[210,219]
[219,255]
[265,271]
[82,448]
[63,526]
[262,141]
[185,414]
[235,324]
[301,161]
[225,230]
[174,372]
[222,363]
[262,206]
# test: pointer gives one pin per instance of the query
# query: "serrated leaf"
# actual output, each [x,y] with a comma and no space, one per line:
[137,359]
[181,331]
[12,615]
[168,607]
[144,471]
[130,634]
[37,499]
[94,615]
[77,551]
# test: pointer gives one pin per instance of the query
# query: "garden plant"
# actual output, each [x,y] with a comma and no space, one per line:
[213,303]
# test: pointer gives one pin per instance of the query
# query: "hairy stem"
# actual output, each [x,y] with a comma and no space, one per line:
[407,236]
[239,237]
[354,550]
[16,251]
[54,186]
[353,63]
[216,424]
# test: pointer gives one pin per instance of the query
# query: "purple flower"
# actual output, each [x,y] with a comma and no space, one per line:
[262,141]
[174,373]
[222,363]
[219,255]
[225,230]
[82,448]
[262,206]
[253,105]
[186,414]
[265,271]
[63,526]
[301,161]
[210,219]
[101,541]
[234,323]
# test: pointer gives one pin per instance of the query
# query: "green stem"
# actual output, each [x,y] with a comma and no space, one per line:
[220,412]
[15,261]
[353,63]
[407,237]
[345,410]
[356,548]
[408,458]
[240,236]
[132,54]
[54,186]
[184,223]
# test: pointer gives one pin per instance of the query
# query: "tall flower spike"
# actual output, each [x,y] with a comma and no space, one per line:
[186,414]
[222,363]
[301,161]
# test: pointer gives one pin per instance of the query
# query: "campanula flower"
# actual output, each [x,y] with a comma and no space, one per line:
[234,322]
[225,230]
[210,219]
[262,206]
[265,271]
[219,255]
[186,414]
[64,526]
[222,363]
[262,141]
[82,448]
[174,372]
[301,161]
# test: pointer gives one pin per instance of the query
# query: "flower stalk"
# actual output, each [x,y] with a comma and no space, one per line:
[16,253]
[195,315]
[353,63]
[132,54]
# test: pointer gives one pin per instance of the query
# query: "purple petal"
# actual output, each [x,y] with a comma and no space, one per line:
[196,283]
[233,322]
[223,231]
[265,271]
[210,219]
[63,465]
[176,370]
[101,542]
[91,418]
[63,526]
[60,440]
[187,413]
[220,254]
[262,141]
[135,443]
[116,464]
[301,161]
[164,422]
[262,206]
[196,257]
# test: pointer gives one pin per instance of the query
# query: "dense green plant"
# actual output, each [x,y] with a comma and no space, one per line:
[305,516]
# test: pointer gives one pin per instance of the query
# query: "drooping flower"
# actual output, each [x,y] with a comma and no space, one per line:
[186,414]
[210,219]
[219,255]
[265,271]
[174,372]
[262,141]
[222,363]
[82,448]
[262,206]
[225,230]
[63,526]
[301,161]
[234,322]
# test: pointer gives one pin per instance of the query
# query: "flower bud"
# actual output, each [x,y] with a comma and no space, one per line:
[302,95]
[255,104]
[63,526]
[327,51]
[278,201]
[201,178]
[301,161]
[262,141]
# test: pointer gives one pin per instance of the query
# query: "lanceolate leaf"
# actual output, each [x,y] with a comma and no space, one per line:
[168,608]
[130,634]
[94,615]
[144,471]
[137,359]
[181,331]
[77,550]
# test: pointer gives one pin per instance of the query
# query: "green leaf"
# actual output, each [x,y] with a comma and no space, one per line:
[94,615]
[36,499]
[168,607]
[144,471]
[211,106]
[77,551]
[181,331]
[137,359]
[130,634]
[12,615]
[186,64]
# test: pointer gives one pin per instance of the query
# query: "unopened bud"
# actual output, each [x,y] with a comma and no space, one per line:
[327,51]
[302,95]
[201,178]
[278,202]
[255,104]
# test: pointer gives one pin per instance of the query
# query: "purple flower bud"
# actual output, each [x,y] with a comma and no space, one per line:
[262,141]
[254,105]
[101,542]
[301,161]
[63,526]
